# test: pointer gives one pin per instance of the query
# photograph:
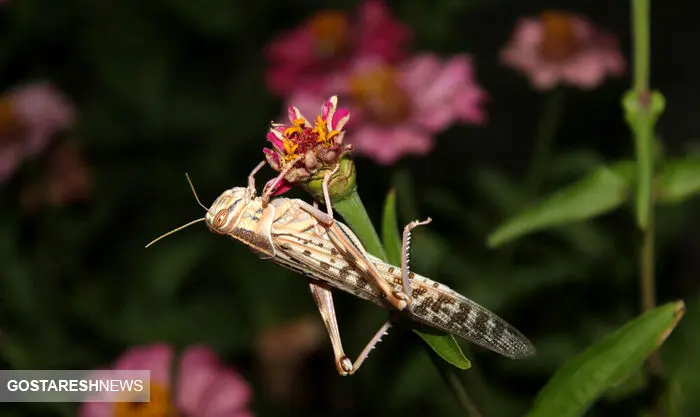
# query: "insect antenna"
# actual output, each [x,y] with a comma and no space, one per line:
[175,230]
[195,192]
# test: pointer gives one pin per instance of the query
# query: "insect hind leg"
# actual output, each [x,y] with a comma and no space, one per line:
[324,301]
[405,247]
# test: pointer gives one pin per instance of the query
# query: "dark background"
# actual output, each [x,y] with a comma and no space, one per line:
[168,87]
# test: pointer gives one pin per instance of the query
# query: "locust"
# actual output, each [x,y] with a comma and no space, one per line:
[304,239]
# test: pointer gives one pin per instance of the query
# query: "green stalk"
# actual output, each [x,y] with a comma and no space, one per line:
[455,384]
[643,129]
[355,215]
[642,108]
[539,161]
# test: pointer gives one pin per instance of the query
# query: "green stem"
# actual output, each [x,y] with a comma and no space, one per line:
[546,132]
[641,36]
[355,215]
[453,382]
[643,129]
[539,161]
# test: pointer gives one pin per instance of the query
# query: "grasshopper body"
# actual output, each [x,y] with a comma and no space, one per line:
[299,237]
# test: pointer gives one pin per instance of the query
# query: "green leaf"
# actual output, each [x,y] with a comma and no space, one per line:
[583,379]
[599,192]
[642,120]
[679,180]
[681,359]
[447,348]
[390,230]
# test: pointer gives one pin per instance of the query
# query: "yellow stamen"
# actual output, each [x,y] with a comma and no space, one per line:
[289,147]
[324,136]
[9,125]
[559,41]
[378,92]
[159,405]
[297,127]
[331,31]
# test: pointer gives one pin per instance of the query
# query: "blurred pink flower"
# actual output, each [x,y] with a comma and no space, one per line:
[29,118]
[328,40]
[204,387]
[398,110]
[562,48]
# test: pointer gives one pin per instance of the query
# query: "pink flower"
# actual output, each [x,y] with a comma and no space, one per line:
[301,148]
[326,42]
[29,118]
[397,111]
[561,48]
[204,387]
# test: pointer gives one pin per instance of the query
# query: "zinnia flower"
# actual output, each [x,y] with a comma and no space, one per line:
[562,48]
[328,40]
[398,110]
[204,387]
[29,118]
[301,149]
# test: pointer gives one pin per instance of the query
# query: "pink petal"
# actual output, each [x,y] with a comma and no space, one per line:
[96,409]
[295,45]
[200,375]
[43,111]
[274,136]
[282,187]
[386,145]
[197,370]
[273,158]
[228,394]
[42,104]
[11,156]
[419,71]
[294,113]
[379,33]
[157,358]
[545,77]
[527,34]
[328,108]
[468,105]
[340,119]
[291,55]
[443,91]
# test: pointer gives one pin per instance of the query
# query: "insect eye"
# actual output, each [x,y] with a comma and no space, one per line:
[220,218]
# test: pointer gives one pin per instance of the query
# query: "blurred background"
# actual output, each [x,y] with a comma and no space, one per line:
[130,95]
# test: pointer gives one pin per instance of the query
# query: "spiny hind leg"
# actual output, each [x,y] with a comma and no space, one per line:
[324,301]
[351,250]
[405,247]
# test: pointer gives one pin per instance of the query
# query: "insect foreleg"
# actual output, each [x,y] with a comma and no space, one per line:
[324,218]
[326,194]
[324,300]
[267,192]
[405,246]
[251,176]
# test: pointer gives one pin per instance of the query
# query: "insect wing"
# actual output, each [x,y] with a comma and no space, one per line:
[439,306]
